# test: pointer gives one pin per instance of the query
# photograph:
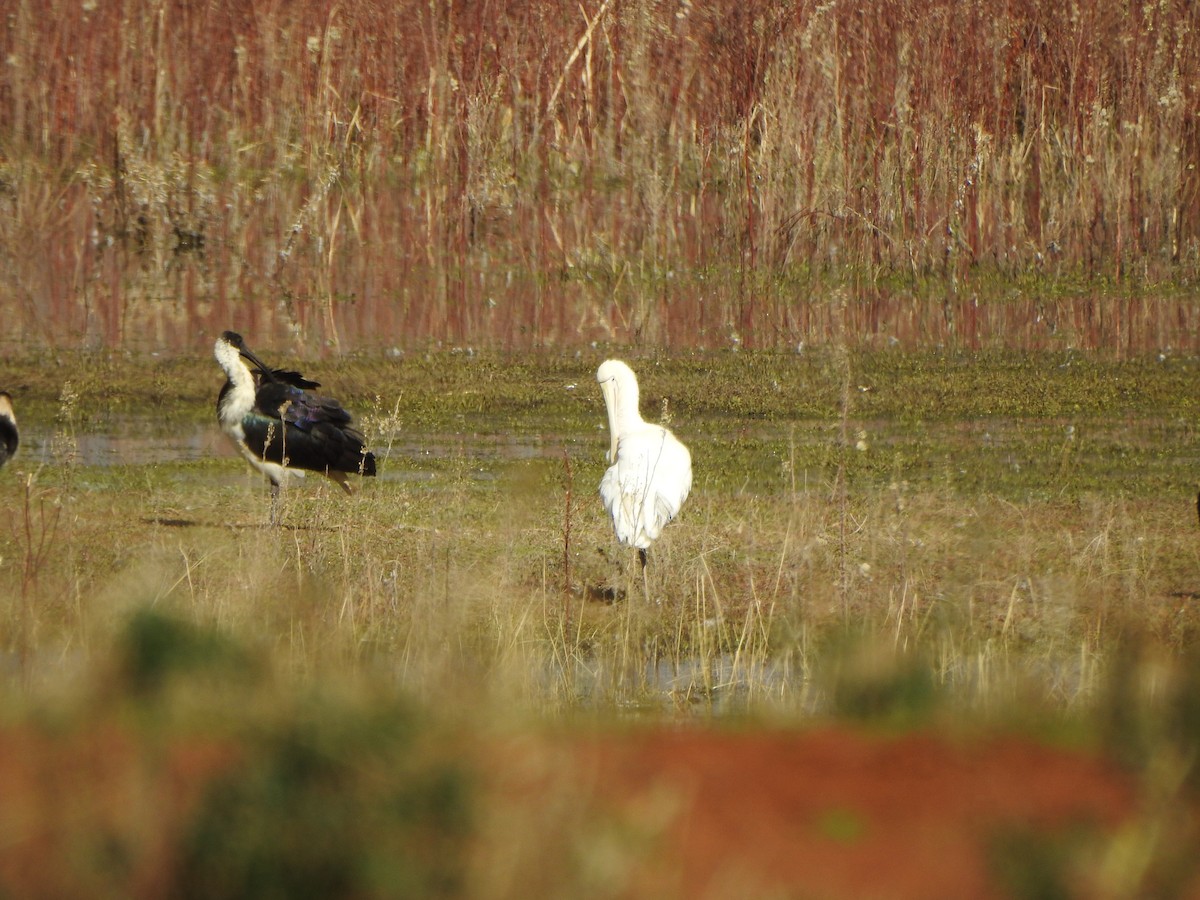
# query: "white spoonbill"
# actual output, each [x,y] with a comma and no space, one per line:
[651,471]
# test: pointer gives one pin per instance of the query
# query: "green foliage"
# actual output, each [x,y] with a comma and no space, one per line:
[1149,717]
[329,802]
[845,826]
[869,681]
[1030,865]
[325,793]
[155,652]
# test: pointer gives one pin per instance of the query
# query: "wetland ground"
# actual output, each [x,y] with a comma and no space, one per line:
[892,564]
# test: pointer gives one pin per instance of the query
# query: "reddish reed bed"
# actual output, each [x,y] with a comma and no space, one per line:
[513,175]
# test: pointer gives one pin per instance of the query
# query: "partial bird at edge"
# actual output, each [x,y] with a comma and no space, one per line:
[10,438]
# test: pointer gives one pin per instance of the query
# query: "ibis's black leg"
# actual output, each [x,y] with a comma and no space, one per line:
[274,503]
[1198,505]
[645,578]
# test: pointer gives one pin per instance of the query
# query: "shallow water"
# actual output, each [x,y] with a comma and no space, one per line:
[1008,455]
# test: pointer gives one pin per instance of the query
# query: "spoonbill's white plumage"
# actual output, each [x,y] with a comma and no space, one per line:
[9,439]
[281,425]
[651,471]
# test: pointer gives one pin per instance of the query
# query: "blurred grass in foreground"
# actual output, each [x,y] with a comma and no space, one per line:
[185,768]
[188,763]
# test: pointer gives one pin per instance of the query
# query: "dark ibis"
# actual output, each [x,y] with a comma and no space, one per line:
[9,439]
[281,425]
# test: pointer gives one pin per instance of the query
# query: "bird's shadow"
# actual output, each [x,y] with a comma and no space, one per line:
[601,593]
[170,522]
[280,526]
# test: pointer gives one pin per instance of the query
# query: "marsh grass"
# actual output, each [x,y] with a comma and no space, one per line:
[991,517]
[453,587]
[1062,617]
[961,492]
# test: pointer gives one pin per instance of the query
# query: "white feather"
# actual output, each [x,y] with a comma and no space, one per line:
[234,406]
[651,472]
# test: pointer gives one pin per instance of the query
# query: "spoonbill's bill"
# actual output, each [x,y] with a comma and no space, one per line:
[9,439]
[281,425]
[651,471]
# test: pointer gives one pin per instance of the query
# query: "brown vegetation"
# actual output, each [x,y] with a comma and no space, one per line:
[519,174]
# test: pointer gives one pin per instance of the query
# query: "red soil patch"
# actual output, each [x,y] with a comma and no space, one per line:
[834,813]
[693,813]
[67,799]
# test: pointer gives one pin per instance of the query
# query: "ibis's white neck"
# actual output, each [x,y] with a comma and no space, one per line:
[239,399]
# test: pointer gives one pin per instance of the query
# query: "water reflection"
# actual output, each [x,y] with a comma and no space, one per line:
[723,683]
[391,303]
